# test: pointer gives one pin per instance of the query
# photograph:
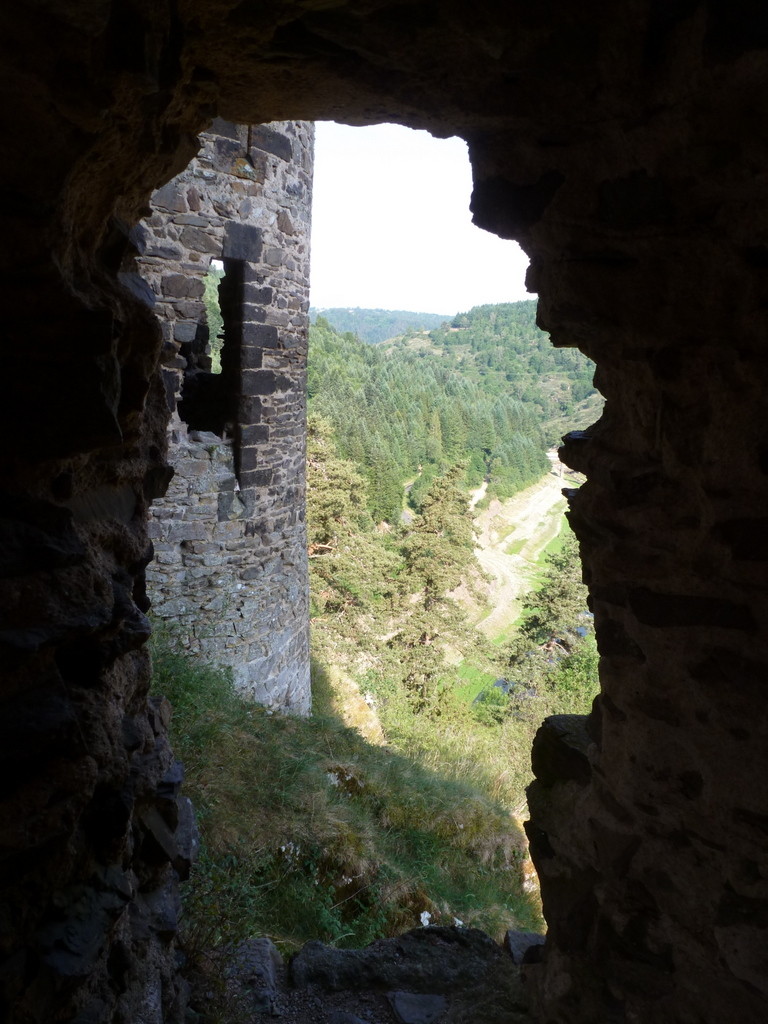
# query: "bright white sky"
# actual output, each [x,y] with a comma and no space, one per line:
[391,227]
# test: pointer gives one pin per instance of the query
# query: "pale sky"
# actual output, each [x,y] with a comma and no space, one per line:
[391,227]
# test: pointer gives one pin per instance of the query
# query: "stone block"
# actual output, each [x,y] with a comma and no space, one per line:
[285,224]
[251,357]
[178,286]
[249,459]
[260,295]
[256,478]
[254,433]
[187,531]
[264,382]
[199,240]
[171,198]
[188,469]
[225,210]
[261,335]
[194,219]
[225,152]
[227,531]
[242,242]
[166,251]
[138,287]
[270,141]
[226,129]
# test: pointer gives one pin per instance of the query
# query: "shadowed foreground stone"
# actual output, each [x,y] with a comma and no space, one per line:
[424,960]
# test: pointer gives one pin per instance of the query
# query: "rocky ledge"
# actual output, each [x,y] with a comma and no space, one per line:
[426,976]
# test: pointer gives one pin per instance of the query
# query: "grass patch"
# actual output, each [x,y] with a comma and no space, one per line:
[471,680]
[506,634]
[502,528]
[308,831]
[553,547]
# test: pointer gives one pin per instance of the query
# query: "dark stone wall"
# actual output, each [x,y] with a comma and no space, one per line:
[625,147]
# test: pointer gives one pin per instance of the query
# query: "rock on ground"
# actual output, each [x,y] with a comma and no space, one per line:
[425,976]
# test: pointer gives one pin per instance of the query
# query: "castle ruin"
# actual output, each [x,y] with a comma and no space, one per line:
[230,560]
[624,147]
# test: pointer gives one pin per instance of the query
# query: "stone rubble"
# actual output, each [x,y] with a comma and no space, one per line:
[432,975]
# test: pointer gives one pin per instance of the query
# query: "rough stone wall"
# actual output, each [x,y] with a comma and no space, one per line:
[230,567]
[625,146]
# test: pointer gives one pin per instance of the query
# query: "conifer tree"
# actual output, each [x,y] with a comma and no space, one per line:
[349,567]
[438,553]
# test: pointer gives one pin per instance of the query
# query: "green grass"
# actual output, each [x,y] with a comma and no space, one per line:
[554,546]
[471,680]
[506,634]
[308,831]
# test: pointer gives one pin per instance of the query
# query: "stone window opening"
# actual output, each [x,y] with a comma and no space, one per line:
[212,385]
[215,321]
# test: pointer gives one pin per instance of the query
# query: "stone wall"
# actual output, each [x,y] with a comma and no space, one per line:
[625,147]
[230,566]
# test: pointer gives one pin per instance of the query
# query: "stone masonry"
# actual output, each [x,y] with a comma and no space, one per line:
[230,566]
[624,146]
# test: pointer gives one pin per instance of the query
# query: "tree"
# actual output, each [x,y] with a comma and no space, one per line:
[336,492]
[348,564]
[554,653]
[439,548]
[438,553]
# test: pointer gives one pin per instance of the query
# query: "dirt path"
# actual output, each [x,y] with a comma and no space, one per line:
[478,494]
[510,537]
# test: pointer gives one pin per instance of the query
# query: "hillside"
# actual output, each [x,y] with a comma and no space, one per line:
[501,348]
[487,390]
[377,325]
[400,414]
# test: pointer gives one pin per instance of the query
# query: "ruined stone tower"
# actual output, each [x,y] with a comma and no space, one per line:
[230,565]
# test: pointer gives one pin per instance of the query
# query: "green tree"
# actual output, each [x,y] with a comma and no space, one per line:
[349,566]
[556,613]
[554,651]
[438,553]
[439,549]
[336,492]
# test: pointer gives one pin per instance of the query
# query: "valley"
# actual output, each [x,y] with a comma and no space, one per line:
[510,538]
[438,566]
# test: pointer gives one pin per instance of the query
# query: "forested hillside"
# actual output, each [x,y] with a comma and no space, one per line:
[501,348]
[488,391]
[376,325]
